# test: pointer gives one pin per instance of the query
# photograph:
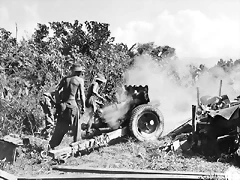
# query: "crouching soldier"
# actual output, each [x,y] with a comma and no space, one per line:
[72,102]
[92,97]
[47,103]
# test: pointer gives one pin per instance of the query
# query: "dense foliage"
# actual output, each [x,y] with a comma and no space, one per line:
[30,67]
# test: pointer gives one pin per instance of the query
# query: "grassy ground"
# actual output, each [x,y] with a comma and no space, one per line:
[126,154]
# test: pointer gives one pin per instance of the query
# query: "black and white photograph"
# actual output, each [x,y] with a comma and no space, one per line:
[119,89]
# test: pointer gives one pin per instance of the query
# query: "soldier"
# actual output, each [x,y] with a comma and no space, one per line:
[47,103]
[92,96]
[73,99]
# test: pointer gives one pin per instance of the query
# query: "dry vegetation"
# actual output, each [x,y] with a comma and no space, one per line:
[127,153]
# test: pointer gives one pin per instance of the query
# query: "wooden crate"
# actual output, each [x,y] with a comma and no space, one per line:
[7,151]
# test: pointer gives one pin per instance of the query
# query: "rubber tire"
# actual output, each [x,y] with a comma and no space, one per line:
[137,113]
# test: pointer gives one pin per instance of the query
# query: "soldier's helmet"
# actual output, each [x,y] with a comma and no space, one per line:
[77,68]
[101,78]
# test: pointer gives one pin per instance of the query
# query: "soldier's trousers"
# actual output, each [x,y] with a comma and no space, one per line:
[66,119]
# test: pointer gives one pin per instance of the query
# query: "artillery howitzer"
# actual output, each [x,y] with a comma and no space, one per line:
[214,127]
[142,120]
[215,123]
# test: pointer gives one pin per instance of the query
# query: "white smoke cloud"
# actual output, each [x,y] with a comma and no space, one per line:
[190,32]
[175,100]
[176,97]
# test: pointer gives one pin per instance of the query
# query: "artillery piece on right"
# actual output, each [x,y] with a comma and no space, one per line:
[216,124]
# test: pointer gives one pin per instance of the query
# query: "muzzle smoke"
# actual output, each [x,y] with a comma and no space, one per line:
[171,84]
[113,113]
[175,100]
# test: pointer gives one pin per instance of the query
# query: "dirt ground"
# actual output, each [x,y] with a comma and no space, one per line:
[126,153]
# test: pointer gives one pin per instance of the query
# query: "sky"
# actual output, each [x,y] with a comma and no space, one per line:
[199,30]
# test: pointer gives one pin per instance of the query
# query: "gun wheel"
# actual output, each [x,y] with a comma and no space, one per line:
[146,123]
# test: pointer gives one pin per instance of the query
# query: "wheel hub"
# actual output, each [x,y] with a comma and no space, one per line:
[148,123]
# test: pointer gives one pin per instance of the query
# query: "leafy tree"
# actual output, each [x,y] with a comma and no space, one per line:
[40,36]
[72,35]
[155,51]
[226,65]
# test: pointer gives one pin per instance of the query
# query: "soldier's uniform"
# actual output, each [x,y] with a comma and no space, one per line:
[92,97]
[73,91]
